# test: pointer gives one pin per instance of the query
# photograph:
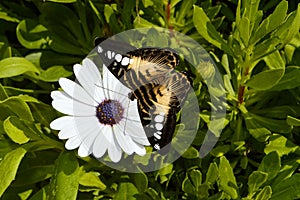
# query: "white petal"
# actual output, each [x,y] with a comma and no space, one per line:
[62,122]
[109,82]
[75,91]
[60,95]
[67,133]
[114,153]
[135,130]
[70,107]
[114,150]
[89,77]
[139,149]
[124,141]
[100,145]
[73,143]
[83,151]
[133,112]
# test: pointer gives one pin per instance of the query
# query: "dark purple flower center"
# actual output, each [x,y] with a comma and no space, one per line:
[109,112]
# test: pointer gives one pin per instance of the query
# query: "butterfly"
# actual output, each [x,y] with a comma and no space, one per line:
[160,90]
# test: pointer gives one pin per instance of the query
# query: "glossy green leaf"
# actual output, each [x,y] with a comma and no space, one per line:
[65,180]
[140,181]
[289,80]
[9,166]
[16,106]
[244,30]
[292,121]
[15,66]
[271,22]
[52,74]
[196,178]
[6,16]
[270,165]
[15,134]
[281,145]
[290,28]
[206,29]
[274,61]
[187,185]
[126,191]
[32,35]
[227,179]
[287,189]
[266,79]
[91,179]
[212,174]
[265,193]
[256,180]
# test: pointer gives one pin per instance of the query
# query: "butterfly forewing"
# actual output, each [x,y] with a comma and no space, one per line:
[159,89]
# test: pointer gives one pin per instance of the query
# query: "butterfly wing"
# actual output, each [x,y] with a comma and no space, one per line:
[159,89]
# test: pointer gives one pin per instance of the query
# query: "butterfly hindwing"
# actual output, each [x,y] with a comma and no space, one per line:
[159,89]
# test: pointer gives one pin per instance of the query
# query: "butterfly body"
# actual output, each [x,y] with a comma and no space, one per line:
[159,89]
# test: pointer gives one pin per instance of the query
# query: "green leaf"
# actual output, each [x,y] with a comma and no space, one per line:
[270,164]
[191,153]
[9,166]
[227,179]
[15,66]
[140,181]
[265,80]
[6,16]
[196,178]
[292,121]
[33,175]
[41,194]
[206,29]
[270,23]
[15,134]
[52,74]
[281,145]
[15,106]
[187,185]
[32,35]
[91,179]
[287,189]
[212,174]
[290,28]
[289,80]
[243,28]
[265,193]
[274,61]
[220,150]
[257,122]
[63,1]
[126,191]
[256,179]
[250,12]
[65,181]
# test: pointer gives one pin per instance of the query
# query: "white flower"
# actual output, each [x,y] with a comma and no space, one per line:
[101,117]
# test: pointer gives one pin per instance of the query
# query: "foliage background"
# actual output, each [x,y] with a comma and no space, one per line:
[256,47]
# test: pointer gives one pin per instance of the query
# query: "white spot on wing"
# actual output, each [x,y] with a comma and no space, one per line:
[159,118]
[157,136]
[118,57]
[156,146]
[125,61]
[109,54]
[100,50]
[158,126]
